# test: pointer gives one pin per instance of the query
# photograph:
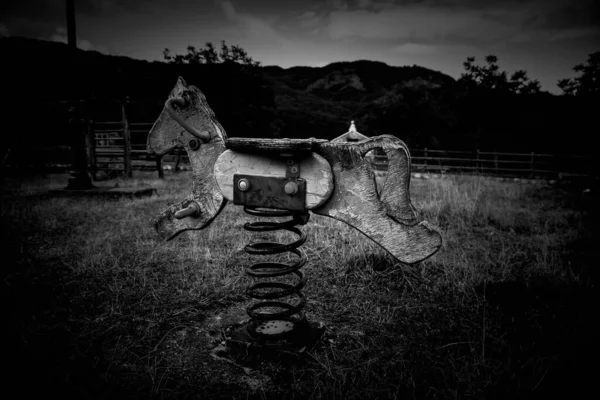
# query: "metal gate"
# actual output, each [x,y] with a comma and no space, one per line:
[112,147]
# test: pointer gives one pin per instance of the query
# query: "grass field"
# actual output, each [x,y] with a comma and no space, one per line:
[98,306]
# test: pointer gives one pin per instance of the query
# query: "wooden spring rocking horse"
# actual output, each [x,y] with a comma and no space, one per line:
[286,177]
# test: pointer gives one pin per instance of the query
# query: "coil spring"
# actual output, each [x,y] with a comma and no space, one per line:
[267,292]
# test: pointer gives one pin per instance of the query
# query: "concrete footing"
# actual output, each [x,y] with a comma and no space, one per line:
[118,192]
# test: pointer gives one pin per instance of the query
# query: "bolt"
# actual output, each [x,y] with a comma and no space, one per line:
[194,144]
[243,185]
[291,188]
[294,170]
[290,162]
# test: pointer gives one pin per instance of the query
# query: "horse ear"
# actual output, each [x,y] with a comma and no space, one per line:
[181,83]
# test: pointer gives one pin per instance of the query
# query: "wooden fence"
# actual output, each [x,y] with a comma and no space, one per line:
[531,165]
[121,147]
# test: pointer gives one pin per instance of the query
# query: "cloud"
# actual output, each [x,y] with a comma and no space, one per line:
[465,21]
[60,35]
[562,14]
[228,10]
[309,19]
[54,11]
[4,31]
[308,15]
[534,14]
[112,7]
[251,25]
[337,4]
[345,5]
[415,49]
[31,9]
[377,4]
[577,33]
[415,23]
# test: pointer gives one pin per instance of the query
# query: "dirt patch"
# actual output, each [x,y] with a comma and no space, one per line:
[199,355]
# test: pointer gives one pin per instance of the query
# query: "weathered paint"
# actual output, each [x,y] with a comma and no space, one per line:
[165,135]
[313,168]
[345,190]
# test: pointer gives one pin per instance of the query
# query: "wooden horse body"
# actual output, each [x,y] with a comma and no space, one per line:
[337,180]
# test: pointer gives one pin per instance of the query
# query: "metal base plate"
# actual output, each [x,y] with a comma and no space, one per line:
[292,348]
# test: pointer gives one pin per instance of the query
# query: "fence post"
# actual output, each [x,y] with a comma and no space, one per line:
[161,173]
[77,125]
[426,168]
[496,162]
[90,144]
[478,163]
[126,142]
[531,166]
[177,162]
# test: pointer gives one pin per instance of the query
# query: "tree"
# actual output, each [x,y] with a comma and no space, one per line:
[489,78]
[588,83]
[235,86]
[209,55]
[494,105]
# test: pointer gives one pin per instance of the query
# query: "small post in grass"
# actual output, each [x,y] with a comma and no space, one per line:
[77,128]
[496,162]
[90,147]
[126,141]
[159,167]
[531,165]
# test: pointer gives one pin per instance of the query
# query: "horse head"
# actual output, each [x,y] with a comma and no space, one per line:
[186,117]
[188,122]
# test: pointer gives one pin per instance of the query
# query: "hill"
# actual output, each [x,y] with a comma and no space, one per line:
[324,100]
[421,106]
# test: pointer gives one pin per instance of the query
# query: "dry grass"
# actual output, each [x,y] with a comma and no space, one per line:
[100,307]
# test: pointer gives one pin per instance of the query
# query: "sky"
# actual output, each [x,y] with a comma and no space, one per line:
[547,38]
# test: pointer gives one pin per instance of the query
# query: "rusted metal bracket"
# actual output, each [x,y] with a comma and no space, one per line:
[269,192]
[340,182]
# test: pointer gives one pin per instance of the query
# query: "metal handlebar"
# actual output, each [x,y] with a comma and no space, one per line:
[182,102]
[190,211]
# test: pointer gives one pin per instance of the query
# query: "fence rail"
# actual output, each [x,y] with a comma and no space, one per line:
[532,165]
[121,146]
